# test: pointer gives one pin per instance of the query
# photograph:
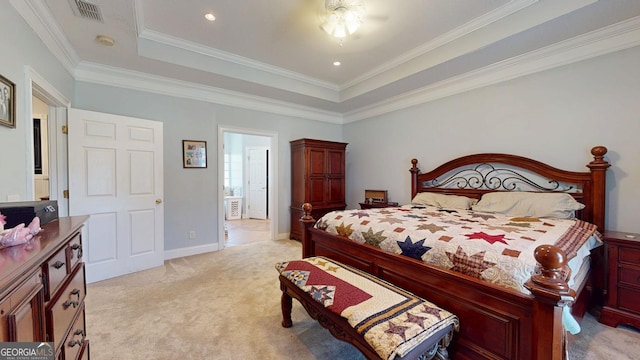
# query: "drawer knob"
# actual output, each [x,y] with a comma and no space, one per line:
[77,247]
[70,302]
[73,343]
[58,264]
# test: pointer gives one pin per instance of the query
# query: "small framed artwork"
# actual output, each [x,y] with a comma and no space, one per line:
[7,102]
[194,154]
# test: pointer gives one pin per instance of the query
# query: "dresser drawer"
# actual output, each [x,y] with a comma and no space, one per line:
[62,310]
[20,310]
[25,288]
[55,270]
[75,340]
[75,251]
[629,299]
[630,276]
[629,255]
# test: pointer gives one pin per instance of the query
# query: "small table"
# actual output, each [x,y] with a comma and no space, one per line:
[623,276]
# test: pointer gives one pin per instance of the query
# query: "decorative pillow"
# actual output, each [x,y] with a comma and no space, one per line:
[529,204]
[443,201]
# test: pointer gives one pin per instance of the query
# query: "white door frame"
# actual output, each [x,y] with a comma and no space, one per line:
[272,205]
[36,85]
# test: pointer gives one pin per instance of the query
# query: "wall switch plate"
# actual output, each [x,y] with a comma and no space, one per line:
[192,234]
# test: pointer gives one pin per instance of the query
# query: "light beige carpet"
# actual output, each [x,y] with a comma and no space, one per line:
[226,305]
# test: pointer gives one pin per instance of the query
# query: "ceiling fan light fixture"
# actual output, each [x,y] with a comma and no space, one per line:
[343,17]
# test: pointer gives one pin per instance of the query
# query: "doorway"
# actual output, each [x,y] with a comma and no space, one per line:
[45,101]
[39,110]
[247,176]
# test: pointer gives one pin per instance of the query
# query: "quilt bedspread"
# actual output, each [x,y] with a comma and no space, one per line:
[393,321]
[489,246]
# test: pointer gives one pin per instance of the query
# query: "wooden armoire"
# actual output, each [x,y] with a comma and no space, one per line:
[317,177]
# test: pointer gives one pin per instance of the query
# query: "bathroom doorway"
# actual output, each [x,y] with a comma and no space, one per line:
[247,190]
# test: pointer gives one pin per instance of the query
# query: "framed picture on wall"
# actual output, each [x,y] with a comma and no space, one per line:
[194,154]
[7,102]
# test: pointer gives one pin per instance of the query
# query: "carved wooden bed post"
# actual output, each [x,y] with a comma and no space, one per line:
[307,222]
[598,173]
[551,294]
[414,178]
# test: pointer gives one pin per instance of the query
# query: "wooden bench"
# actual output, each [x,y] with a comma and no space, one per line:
[380,319]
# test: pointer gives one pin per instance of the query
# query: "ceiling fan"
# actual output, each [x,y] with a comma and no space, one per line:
[343,17]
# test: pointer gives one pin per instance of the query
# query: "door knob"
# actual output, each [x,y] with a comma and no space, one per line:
[158,201]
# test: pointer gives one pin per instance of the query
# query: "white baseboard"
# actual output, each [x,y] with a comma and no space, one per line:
[195,250]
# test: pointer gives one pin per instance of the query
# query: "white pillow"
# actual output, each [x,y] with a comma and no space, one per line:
[529,204]
[443,201]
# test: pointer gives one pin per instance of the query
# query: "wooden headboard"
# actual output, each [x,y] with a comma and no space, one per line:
[475,175]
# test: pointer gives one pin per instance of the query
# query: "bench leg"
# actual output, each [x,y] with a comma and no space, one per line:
[439,350]
[286,304]
[442,353]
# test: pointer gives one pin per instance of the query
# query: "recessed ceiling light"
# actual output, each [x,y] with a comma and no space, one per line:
[209,16]
[105,40]
[336,63]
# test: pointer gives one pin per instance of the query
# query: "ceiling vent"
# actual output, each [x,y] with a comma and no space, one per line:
[86,10]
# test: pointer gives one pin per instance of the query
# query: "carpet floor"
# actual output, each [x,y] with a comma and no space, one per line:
[226,305]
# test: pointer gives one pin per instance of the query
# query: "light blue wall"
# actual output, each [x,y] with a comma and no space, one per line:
[556,116]
[21,47]
[191,194]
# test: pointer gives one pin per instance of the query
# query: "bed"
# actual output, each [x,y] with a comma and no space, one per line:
[496,321]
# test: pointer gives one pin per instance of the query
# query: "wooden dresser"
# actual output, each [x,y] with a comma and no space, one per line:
[42,290]
[622,304]
[317,177]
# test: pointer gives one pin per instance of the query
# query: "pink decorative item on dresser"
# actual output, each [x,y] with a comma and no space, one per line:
[19,234]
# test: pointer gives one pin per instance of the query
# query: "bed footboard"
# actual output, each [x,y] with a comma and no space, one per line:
[495,323]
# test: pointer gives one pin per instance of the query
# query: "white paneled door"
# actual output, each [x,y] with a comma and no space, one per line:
[115,176]
[257,160]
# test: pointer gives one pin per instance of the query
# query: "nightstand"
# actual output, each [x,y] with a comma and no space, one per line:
[376,205]
[622,304]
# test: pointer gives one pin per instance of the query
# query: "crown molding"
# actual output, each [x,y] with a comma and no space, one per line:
[616,37]
[178,51]
[446,38]
[510,19]
[613,38]
[39,18]
[231,58]
[163,47]
[118,77]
